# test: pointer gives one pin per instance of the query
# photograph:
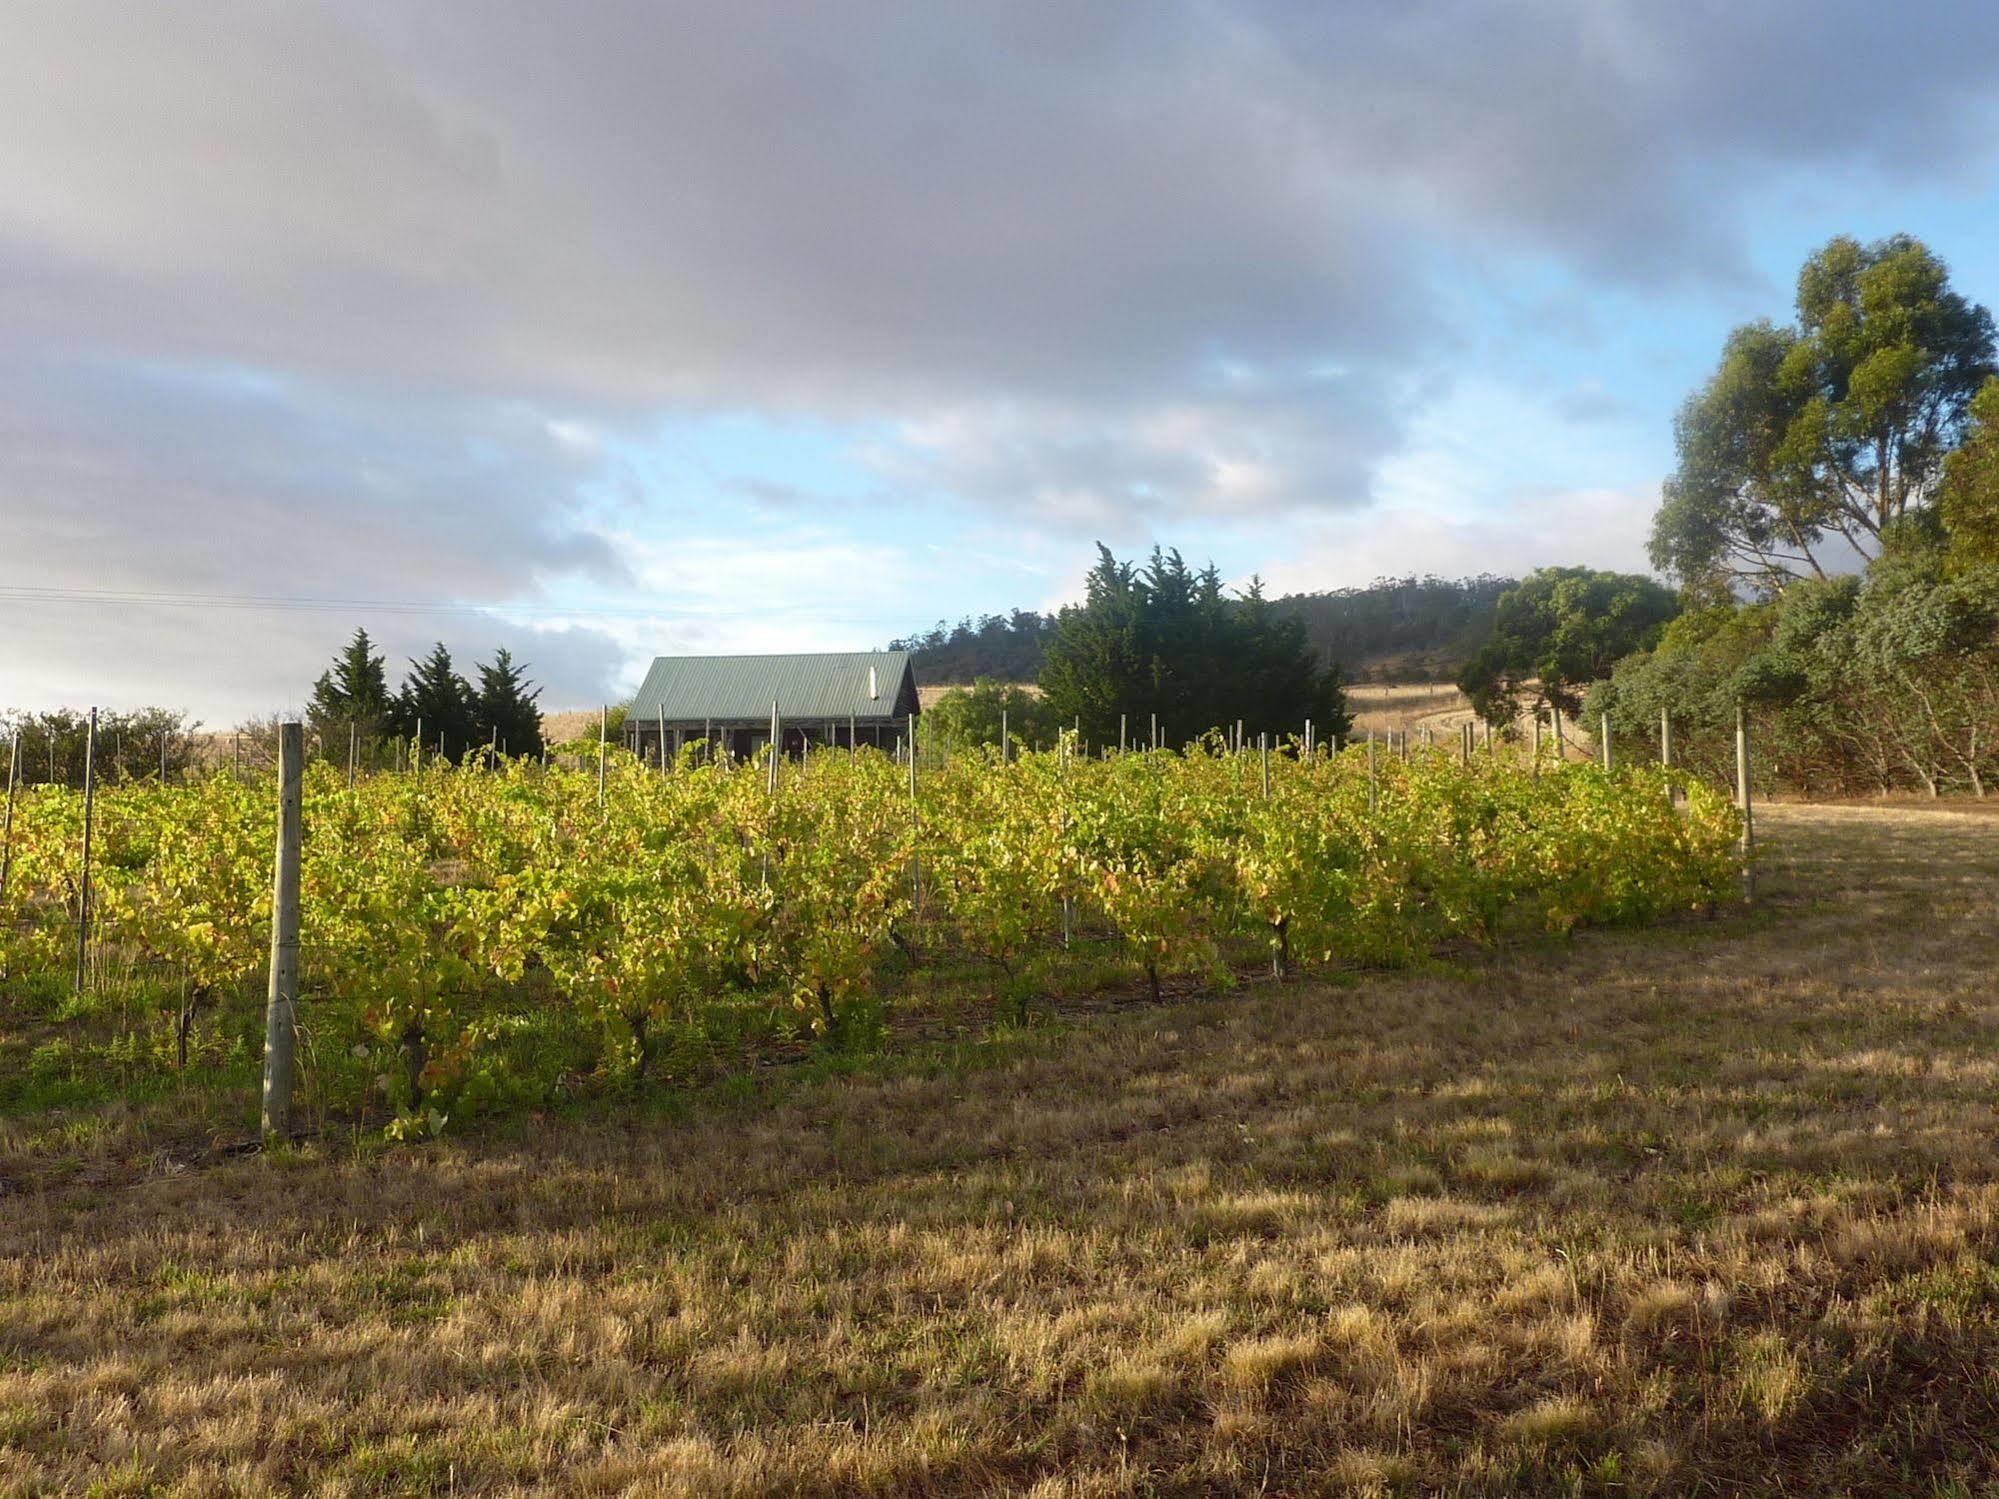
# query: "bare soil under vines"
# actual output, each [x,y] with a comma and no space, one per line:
[1711,1207]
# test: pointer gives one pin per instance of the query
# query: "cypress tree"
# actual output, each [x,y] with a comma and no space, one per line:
[505,702]
[353,691]
[434,695]
[1168,640]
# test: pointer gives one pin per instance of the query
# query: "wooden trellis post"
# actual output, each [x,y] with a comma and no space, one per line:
[7,832]
[1742,801]
[281,1003]
[83,884]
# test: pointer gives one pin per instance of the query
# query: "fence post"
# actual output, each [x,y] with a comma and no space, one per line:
[281,1004]
[1742,800]
[1005,747]
[1121,740]
[7,833]
[776,744]
[1537,741]
[915,827]
[1263,745]
[1603,731]
[83,887]
[353,748]
[163,757]
[603,734]
[1372,794]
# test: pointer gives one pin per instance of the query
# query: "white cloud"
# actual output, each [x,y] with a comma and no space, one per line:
[1584,527]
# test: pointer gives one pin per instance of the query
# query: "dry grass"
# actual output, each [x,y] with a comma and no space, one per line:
[1713,1208]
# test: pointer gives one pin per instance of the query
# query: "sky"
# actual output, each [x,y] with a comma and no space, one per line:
[607,331]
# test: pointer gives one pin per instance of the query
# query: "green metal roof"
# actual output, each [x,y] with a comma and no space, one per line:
[741,689]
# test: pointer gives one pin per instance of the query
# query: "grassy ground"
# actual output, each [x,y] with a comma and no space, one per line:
[1706,1208]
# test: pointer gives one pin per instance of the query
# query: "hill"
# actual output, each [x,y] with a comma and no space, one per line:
[1395,629]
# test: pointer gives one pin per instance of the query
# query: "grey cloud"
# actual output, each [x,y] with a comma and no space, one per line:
[155,479]
[896,204]
[302,281]
[1233,454]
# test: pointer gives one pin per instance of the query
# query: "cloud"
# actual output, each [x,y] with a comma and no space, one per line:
[212,485]
[1547,528]
[370,298]
[883,203]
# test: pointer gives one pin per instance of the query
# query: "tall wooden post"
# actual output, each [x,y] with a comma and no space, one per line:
[1121,737]
[353,745]
[915,858]
[83,885]
[1603,733]
[1742,801]
[1263,747]
[603,749]
[1006,748]
[1666,737]
[281,1004]
[7,832]
[1373,795]
[1537,742]
[776,744]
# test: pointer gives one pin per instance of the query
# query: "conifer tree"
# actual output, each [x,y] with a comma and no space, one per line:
[1167,640]
[352,693]
[434,696]
[505,706]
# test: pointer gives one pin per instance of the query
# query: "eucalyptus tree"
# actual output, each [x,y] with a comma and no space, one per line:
[1812,439]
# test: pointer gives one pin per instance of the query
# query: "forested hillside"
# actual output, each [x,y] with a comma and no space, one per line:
[1395,628]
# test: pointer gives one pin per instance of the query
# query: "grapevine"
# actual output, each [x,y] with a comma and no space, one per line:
[475,937]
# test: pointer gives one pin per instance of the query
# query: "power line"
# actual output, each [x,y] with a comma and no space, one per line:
[279,604]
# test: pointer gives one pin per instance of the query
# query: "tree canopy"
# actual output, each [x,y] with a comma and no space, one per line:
[967,717]
[1829,430]
[1559,630]
[1164,639]
[1398,629]
[435,699]
[354,692]
[504,706]
[1969,498]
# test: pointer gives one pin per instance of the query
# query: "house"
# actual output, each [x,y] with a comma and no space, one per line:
[860,697]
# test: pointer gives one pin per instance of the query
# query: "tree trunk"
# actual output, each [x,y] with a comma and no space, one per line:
[416,1056]
[184,1027]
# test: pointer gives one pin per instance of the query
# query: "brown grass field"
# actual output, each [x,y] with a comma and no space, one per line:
[1712,1208]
